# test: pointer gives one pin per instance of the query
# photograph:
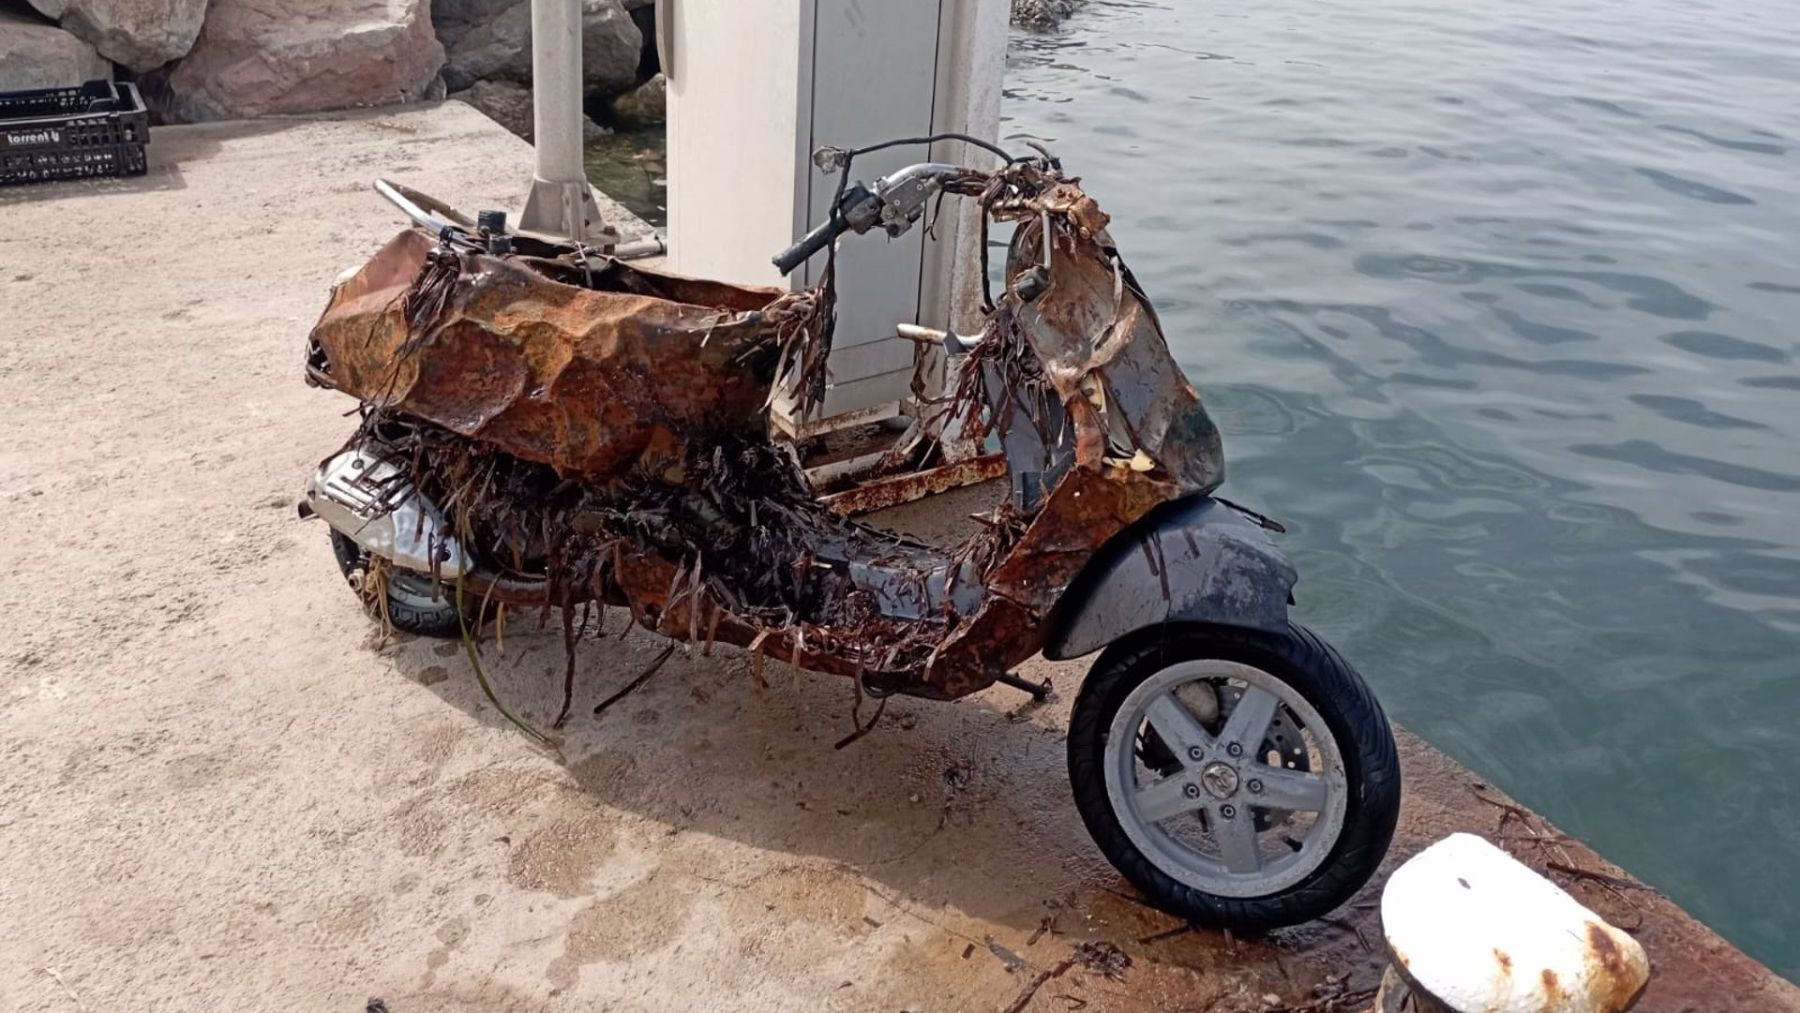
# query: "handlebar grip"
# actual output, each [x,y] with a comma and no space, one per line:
[810,244]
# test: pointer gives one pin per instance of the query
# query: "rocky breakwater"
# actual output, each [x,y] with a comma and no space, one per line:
[488,56]
[35,53]
[227,59]
[224,59]
[220,59]
[139,35]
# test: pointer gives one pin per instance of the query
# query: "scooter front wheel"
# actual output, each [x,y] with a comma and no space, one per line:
[1239,779]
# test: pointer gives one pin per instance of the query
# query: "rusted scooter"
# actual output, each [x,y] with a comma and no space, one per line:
[543,426]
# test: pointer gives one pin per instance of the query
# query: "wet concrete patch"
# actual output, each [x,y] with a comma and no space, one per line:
[562,857]
[637,920]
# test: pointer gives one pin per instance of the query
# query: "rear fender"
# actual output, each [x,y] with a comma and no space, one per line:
[1191,560]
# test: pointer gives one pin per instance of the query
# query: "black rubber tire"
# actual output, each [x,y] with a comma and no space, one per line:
[441,620]
[1329,684]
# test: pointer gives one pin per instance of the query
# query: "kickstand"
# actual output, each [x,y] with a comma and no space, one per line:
[1039,692]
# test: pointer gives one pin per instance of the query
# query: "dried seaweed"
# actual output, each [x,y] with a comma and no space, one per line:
[736,525]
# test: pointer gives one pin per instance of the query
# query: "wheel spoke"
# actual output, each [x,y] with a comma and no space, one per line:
[1249,720]
[1164,799]
[1236,839]
[1293,790]
[1179,729]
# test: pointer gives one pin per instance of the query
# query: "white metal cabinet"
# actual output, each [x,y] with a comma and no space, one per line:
[754,87]
[874,71]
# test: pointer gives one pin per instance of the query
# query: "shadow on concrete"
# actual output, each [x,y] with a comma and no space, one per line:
[959,811]
[963,804]
[949,803]
[173,146]
[945,807]
[164,157]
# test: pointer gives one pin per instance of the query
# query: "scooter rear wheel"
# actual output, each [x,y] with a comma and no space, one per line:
[415,603]
[1239,779]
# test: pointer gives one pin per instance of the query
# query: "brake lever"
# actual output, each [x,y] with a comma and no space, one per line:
[903,203]
[905,194]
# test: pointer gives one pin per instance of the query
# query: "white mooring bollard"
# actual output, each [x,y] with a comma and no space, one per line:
[1470,929]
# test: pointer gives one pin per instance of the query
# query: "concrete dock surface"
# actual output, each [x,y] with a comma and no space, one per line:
[224,790]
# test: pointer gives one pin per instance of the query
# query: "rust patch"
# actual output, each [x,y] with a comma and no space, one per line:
[1505,961]
[505,350]
[1601,945]
[1616,985]
[1552,987]
[890,491]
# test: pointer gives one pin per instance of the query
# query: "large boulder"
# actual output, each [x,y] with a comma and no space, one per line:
[34,54]
[611,47]
[455,18]
[499,47]
[495,49]
[644,105]
[263,57]
[141,34]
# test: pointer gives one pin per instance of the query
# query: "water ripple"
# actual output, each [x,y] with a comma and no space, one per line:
[1693,188]
[1723,346]
[1653,457]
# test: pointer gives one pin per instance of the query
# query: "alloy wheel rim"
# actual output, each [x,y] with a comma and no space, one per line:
[1198,824]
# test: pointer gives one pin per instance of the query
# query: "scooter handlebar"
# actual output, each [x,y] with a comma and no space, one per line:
[809,244]
[896,202]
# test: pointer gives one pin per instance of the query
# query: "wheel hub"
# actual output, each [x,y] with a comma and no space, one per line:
[1219,779]
[1202,790]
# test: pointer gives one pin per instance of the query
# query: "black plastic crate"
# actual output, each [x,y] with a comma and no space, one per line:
[98,129]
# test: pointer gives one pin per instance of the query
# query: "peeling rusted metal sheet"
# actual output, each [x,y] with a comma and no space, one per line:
[1101,344]
[1085,510]
[589,381]
[893,490]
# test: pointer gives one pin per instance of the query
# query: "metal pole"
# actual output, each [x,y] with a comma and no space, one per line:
[560,203]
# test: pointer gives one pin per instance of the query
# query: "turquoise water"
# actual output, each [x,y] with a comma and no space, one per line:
[1497,306]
